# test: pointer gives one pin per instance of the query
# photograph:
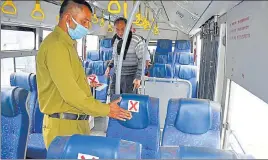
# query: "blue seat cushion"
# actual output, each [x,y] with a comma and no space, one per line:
[163,46]
[161,71]
[106,43]
[182,46]
[36,147]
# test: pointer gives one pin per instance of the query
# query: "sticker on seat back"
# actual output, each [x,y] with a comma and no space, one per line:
[133,106]
[86,156]
[92,79]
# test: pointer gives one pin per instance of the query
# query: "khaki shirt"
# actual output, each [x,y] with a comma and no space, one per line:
[61,80]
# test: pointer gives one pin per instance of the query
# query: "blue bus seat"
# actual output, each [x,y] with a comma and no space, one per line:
[98,68]
[144,126]
[184,58]
[164,58]
[106,49]
[163,46]
[161,71]
[192,122]
[182,46]
[93,55]
[14,123]
[187,72]
[87,147]
[35,147]
[184,152]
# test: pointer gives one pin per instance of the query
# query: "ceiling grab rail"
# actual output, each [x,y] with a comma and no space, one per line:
[95,18]
[146,50]
[146,22]
[115,2]
[110,27]
[102,19]
[138,16]
[126,32]
[38,9]
[9,3]
[125,9]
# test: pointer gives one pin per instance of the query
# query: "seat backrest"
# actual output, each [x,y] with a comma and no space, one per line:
[184,152]
[28,81]
[184,58]
[163,58]
[192,122]
[93,55]
[106,49]
[92,147]
[143,127]
[187,72]
[163,46]
[98,68]
[14,123]
[182,46]
[161,71]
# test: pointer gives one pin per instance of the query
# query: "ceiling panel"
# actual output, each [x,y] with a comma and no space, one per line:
[195,7]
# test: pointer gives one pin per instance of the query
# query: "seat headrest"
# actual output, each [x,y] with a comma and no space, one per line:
[187,72]
[163,58]
[163,46]
[160,70]
[24,80]
[86,64]
[106,43]
[97,67]
[138,106]
[194,116]
[93,55]
[184,58]
[182,46]
[87,147]
[12,101]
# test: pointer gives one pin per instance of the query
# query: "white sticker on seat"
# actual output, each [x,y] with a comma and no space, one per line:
[86,156]
[93,79]
[133,106]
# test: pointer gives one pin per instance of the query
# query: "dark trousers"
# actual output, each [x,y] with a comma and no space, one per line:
[126,85]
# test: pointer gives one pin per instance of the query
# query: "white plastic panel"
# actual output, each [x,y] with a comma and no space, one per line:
[195,7]
[247,52]
[165,91]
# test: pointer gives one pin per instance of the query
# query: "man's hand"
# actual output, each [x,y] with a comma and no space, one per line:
[137,83]
[107,72]
[95,84]
[118,113]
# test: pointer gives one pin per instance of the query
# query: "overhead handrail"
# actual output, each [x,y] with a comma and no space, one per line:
[146,22]
[114,2]
[38,9]
[95,18]
[138,16]
[110,27]
[125,9]
[9,3]
[102,20]
[156,30]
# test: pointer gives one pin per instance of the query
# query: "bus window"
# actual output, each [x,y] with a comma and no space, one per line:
[80,48]
[25,64]
[7,67]
[17,40]
[152,49]
[248,121]
[92,42]
[45,33]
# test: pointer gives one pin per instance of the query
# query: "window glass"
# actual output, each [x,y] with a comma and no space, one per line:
[25,64]
[7,67]
[92,42]
[17,40]
[46,33]
[248,121]
[80,47]
[152,49]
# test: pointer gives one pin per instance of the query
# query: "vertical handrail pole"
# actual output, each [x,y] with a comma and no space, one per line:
[125,36]
[146,50]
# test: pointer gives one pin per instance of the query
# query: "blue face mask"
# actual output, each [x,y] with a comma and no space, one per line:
[79,31]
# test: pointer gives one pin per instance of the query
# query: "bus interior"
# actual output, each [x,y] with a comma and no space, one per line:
[203,96]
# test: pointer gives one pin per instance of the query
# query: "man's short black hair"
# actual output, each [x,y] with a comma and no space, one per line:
[120,19]
[65,4]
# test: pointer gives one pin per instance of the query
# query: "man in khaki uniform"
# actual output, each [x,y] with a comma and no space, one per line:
[63,91]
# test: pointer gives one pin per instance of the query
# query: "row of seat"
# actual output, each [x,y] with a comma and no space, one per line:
[93,147]
[104,53]
[189,122]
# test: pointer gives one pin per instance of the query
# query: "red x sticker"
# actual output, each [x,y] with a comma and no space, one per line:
[133,106]
[92,79]
[86,156]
